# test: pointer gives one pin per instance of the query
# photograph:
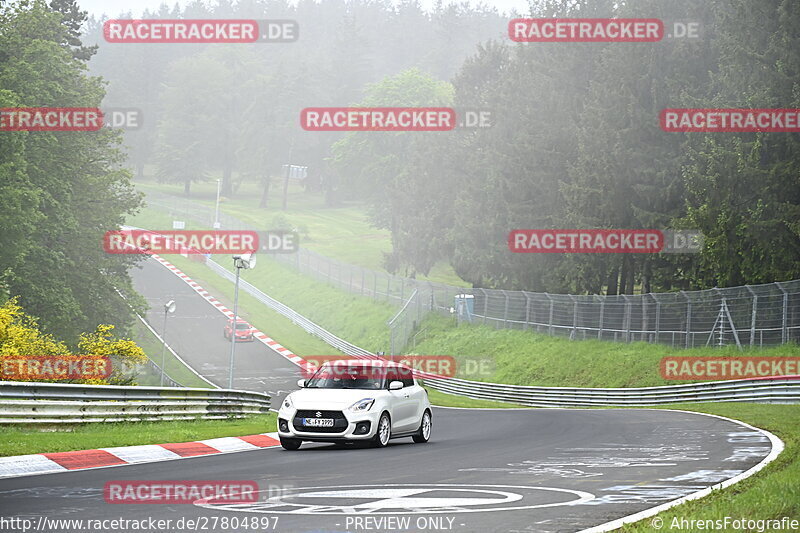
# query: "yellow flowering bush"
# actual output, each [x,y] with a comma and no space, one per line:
[25,351]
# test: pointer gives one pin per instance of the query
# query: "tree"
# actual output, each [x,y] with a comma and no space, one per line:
[20,337]
[394,172]
[55,262]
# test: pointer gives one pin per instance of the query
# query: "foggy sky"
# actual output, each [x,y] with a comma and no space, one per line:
[113,8]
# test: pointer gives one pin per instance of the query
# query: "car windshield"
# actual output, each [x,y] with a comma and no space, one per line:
[347,377]
[242,325]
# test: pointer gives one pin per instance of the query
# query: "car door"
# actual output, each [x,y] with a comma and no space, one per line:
[419,397]
[403,408]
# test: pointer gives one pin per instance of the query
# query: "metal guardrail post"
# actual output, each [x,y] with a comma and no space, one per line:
[550,320]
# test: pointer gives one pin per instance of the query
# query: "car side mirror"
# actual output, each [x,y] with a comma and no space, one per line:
[301,383]
[395,385]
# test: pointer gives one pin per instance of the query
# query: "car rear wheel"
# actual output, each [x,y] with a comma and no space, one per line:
[290,444]
[384,431]
[425,427]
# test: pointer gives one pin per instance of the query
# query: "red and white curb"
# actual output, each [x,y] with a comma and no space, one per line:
[258,334]
[51,463]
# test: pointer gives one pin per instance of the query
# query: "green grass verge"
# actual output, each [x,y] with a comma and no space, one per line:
[15,440]
[342,232]
[772,493]
[528,358]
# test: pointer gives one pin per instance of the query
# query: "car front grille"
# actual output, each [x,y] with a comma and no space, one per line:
[339,421]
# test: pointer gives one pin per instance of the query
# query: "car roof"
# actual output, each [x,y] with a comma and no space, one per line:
[366,363]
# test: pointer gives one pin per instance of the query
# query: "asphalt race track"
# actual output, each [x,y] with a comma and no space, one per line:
[195,332]
[510,471]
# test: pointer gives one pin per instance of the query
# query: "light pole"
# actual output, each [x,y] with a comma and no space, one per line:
[169,307]
[240,261]
[216,210]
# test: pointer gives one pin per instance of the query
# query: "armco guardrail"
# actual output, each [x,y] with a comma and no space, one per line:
[774,390]
[784,389]
[54,403]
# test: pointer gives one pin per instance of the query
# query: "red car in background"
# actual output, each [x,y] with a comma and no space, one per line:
[244,331]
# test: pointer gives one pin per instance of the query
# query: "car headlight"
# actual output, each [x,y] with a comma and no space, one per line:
[362,405]
[287,402]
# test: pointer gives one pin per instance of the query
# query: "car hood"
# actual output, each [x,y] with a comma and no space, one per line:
[330,398]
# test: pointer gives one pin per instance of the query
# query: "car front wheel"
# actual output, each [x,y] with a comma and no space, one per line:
[424,433]
[384,431]
[290,444]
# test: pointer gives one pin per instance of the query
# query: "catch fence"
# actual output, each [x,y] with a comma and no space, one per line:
[751,315]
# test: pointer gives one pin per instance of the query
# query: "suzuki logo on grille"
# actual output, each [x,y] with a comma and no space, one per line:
[319,414]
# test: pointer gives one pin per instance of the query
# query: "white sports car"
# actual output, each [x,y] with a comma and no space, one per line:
[356,400]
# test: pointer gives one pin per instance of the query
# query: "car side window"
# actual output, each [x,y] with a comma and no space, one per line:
[391,375]
[408,381]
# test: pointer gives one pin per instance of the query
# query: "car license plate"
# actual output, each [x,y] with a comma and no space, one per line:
[318,422]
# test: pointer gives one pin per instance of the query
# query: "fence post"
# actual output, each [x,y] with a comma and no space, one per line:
[402,289]
[784,321]
[550,320]
[485,305]
[658,316]
[505,310]
[753,316]
[602,312]
[375,285]
[627,318]
[688,317]
[527,310]
[574,334]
